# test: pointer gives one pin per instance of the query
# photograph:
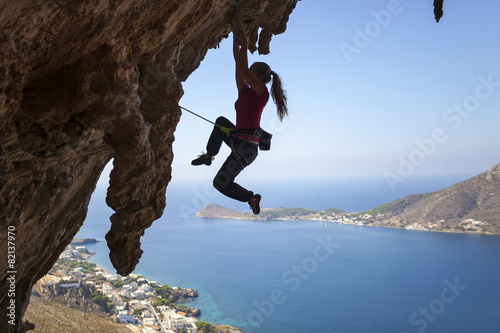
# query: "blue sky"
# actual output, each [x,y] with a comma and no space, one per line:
[415,97]
[365,112]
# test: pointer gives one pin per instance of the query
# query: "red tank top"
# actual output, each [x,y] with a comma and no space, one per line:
[249,107]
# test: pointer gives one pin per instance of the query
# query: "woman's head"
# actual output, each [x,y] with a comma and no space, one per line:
[264,73]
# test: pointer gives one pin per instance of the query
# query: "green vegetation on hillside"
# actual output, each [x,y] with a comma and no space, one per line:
[205,326]
[101,299]
[285,212]
[81,263]
[395,207]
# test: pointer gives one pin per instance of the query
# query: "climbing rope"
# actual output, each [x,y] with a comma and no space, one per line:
[8,153]
[222,128]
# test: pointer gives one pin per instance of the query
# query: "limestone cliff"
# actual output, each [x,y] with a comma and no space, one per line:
[83,82]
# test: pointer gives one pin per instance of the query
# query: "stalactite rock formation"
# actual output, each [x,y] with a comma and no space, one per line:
[85,82]
[438,9]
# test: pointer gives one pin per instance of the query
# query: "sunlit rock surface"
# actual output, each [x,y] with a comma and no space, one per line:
[85,82]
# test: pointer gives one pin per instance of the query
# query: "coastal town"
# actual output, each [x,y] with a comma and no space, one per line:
[141,305]
[373,218]
[379,220]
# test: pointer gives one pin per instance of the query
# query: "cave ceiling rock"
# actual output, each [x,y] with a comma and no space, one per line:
[86,82]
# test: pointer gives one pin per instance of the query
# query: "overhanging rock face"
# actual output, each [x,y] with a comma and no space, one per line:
[83,82]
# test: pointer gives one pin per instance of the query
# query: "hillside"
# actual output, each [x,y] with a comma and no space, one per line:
[49,316]
[469,206]
[472,205]
[220,212]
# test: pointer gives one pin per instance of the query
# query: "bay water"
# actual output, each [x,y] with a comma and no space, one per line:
[312,276]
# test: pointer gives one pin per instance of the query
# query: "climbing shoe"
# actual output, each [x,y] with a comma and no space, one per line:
[202,159]
[255,203]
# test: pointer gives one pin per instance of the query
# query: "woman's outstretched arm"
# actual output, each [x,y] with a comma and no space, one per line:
[241,58]
[236,50]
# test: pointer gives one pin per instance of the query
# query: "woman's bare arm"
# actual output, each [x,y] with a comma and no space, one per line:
[239,78]
[241,58]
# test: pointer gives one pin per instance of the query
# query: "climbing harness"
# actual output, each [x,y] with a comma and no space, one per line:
[224,129]
[239,156]
[264,137]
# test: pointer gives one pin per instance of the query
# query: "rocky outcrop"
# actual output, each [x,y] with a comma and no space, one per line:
[73,295]
[83,241]
[227,329]
[438,9]
[215,211]
[86,82]
[185,293]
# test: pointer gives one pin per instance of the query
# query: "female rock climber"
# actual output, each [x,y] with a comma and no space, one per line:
[243,138]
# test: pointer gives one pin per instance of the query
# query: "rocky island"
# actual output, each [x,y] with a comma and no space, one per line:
[469,206]
[83,241]
[215,211]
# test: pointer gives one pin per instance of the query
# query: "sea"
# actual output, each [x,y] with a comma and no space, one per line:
[313,276]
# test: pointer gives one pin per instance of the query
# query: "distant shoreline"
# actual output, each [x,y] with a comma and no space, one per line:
[358,225]
[83,241]
[214,211]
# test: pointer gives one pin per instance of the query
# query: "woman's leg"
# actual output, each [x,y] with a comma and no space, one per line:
[244,154]
[214,142]
[217,136]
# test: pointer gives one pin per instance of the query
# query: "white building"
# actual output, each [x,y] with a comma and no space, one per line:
[149,294]
[137,294]
[78,273]
[177,321]
[145,288]
[149,321]
[111,277]
[128,288]
[126,317]
[107,288]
